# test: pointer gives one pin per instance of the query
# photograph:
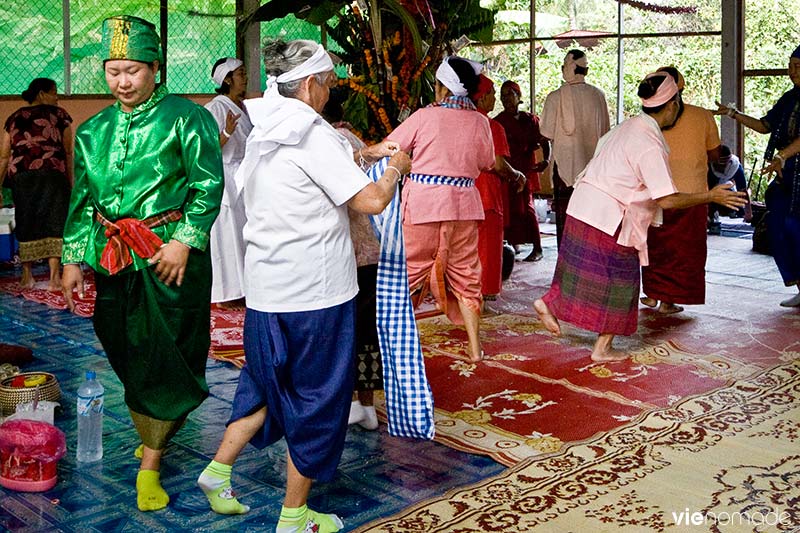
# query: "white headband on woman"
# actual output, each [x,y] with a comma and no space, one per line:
[319,62]
[665,92]
[223,69]
[448,77]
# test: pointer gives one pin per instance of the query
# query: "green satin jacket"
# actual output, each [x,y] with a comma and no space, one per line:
[163,155]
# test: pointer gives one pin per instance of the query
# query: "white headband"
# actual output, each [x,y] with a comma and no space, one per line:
[223,69]
[319,62]
[448,77]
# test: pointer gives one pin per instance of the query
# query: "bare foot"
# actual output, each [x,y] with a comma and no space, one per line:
[473,359]
[535,255]
[649,302]
[669,309]
[550,322]
[608,355]
[54,285]
[27,282]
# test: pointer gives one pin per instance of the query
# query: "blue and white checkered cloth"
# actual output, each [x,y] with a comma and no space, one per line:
[441,180]
[409,402]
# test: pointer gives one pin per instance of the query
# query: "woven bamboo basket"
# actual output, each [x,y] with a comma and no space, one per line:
[10,396]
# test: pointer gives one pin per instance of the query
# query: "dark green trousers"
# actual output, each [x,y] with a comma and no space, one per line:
[157,337]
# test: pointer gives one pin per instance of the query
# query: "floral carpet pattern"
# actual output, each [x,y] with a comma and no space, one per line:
[520,401]
[728,460]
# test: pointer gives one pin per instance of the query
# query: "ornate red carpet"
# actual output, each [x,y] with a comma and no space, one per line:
[534,393]
[226,325]
[727,460]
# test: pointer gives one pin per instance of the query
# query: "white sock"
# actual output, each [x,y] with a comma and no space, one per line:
[357,413]
[370,420]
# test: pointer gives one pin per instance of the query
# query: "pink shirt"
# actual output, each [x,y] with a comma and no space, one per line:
[629,171]
[444,142]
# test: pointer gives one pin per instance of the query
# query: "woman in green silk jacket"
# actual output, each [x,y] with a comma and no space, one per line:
[148,185]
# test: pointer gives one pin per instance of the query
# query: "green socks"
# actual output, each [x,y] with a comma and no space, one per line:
[150,496]
[302,519]
[215,481]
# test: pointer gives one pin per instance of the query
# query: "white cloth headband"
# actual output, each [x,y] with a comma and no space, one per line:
[319,62]
[223,69]
[448,77]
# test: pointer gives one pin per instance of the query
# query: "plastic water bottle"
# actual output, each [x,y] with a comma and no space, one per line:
[90,419]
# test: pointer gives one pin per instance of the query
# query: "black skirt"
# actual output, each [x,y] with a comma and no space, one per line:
[369,370]
[41,202]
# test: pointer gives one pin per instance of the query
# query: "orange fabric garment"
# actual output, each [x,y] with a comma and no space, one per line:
[689,140]
[443,259]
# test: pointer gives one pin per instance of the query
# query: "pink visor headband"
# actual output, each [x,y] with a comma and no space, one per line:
[665,92]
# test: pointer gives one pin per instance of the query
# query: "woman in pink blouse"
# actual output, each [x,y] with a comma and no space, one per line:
[616,198]
[451,144]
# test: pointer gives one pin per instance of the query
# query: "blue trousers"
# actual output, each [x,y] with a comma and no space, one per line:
[300,366]
[783,229]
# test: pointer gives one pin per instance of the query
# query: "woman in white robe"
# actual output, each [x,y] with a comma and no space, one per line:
[227,244]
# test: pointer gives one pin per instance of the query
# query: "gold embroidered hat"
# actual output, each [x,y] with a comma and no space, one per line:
[129,37]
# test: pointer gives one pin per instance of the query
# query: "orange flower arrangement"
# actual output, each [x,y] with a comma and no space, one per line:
[385,83]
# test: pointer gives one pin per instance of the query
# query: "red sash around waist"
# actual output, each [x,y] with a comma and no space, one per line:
[130,233]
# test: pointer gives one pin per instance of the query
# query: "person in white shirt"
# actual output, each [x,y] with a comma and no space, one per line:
[299,178]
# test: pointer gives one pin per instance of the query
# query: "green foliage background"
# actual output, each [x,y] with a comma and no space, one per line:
[772,31]
[200,31]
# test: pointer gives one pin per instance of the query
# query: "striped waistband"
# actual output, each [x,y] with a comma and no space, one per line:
[441,180]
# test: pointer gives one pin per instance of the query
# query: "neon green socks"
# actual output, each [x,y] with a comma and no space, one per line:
[302,519]
[150,496]
[215,481]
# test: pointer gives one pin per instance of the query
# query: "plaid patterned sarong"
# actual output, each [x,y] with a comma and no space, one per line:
[596,282]
[128,234]
[409,402]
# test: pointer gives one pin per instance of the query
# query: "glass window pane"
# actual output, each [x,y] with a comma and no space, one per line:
[602,72]
[705,18]
[197,38]
[697,58]
[513,23]
[505,62]
[32,47]
[771,33]
[598,15]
